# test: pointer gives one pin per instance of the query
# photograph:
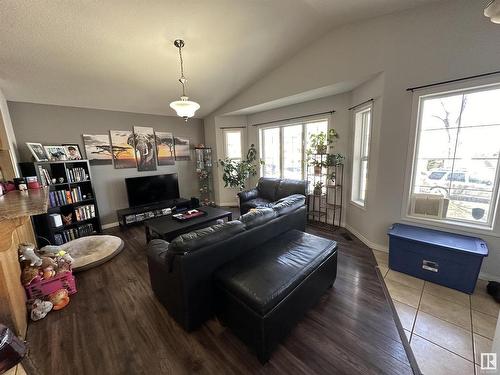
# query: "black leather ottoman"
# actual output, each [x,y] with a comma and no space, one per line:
[260,296]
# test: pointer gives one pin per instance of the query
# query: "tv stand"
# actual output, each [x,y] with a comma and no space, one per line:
[134,215]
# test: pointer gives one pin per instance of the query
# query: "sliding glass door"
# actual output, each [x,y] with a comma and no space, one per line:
[292,152]
[271,152]
[283,148]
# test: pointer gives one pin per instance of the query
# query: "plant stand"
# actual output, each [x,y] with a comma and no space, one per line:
[324,209]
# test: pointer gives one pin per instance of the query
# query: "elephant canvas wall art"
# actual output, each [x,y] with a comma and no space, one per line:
[98,149]
[165,148]
[122,145]
[144,143]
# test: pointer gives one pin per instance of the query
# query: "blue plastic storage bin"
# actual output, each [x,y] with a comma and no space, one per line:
[449,259]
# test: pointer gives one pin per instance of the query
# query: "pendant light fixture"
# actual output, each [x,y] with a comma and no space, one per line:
[492,11]
[185,108]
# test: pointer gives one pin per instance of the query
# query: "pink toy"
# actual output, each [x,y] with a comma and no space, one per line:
[42,288]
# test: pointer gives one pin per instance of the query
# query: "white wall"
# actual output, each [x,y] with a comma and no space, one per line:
[7,132]
[360,219]
[435,42]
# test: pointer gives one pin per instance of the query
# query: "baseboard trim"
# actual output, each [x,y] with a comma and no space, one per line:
[110,225]
[488,277]
[366,241]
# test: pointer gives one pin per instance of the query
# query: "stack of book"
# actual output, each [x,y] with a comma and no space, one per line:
[76,174]
[85,212]
[63,197]
[44,176]
[73,233]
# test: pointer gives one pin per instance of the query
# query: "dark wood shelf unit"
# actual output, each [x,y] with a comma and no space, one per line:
[325,209]
[44,231]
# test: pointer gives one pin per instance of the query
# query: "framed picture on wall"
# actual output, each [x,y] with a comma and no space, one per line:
[145,148]
[165,148]
[182,151]
[97,149]
[56,153]
[38,151]
[122,146]
[73,151]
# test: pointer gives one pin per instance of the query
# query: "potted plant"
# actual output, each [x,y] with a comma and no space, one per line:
[333,160]
[318,166]
[318,188]
[321,141]
[236,173]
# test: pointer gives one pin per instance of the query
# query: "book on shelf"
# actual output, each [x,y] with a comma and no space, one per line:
[73,233]
[77,174]
[63,197]
[45,178]
[85,212]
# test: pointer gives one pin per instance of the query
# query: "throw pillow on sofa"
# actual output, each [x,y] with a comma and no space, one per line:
[257,216]
[191,241]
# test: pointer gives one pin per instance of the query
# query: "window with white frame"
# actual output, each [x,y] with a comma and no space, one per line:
[232,144]
[456,158]
[283,148]
[362,128]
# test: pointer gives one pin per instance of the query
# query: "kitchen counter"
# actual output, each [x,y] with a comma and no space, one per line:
[16,204]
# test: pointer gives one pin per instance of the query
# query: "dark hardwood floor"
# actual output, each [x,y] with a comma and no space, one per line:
[114,325]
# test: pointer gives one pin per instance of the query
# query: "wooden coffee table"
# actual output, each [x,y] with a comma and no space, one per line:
[167,228]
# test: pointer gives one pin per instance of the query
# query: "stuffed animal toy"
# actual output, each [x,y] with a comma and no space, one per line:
[59,299]
[48,262]
[66,257]
[40,309]
[58,252]
[29,274]
[27,252]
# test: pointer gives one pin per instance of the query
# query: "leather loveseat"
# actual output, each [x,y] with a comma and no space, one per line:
[268,191]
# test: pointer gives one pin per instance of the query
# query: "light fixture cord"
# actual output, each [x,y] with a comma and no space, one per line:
[182,80]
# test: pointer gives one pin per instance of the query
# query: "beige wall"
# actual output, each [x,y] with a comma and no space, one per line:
[8,147]
[50,124]
[435,42]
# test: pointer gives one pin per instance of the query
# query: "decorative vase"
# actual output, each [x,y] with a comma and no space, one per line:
[317,170]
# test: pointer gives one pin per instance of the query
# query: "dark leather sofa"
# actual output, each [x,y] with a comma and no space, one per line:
[259,274]
[182,272]
[268,191]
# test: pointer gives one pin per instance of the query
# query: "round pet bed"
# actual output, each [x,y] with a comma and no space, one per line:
[92,251]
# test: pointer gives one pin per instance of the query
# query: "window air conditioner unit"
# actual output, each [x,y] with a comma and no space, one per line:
[429,205]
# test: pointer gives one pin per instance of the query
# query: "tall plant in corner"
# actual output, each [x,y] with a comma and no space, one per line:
[236,173]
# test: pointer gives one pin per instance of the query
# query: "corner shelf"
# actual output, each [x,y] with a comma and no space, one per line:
[325,209]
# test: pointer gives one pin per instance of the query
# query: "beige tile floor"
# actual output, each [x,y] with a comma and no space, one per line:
[447,329]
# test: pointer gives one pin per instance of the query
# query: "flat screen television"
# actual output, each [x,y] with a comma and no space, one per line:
[146,190]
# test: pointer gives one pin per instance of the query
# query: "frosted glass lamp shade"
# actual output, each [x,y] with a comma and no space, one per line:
[492,11]
[184,107]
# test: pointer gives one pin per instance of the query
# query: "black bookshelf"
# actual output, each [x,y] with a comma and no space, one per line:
[72,194]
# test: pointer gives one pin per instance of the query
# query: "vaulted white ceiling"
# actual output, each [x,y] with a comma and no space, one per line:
[118,54]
